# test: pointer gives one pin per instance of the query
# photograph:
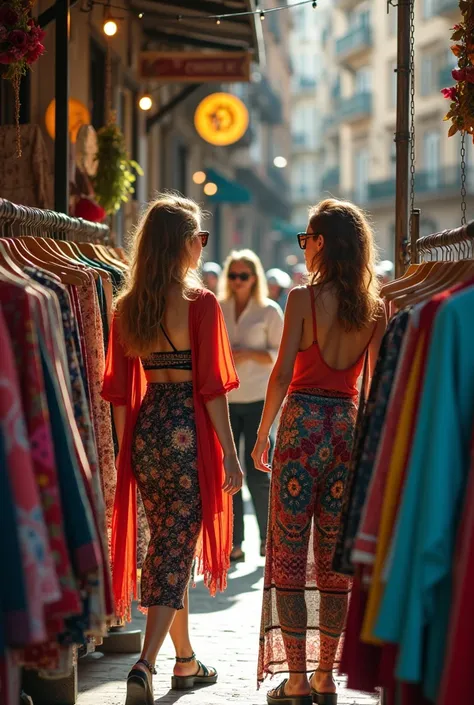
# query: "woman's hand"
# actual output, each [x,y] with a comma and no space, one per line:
[233,474]
[260,453]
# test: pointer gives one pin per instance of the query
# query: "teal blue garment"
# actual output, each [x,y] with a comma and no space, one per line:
[414,612]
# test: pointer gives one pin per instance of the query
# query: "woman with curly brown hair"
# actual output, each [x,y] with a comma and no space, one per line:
[333,327]
[169,369]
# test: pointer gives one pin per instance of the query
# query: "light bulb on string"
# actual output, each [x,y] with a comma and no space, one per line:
[218,20]
[145,103]
[110,27]
[140,16]
[315,4]
[262,15]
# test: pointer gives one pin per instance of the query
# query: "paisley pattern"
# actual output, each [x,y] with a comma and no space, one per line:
[305,602]
[164,461]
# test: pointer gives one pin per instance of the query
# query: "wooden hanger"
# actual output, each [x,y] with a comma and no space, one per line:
[50,260]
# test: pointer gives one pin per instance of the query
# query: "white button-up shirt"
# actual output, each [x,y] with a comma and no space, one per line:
[258,328]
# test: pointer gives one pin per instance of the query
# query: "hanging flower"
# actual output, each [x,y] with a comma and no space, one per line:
[20,46]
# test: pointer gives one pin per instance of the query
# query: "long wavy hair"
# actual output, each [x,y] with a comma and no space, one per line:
[159,259]
[347,261]
[260,287]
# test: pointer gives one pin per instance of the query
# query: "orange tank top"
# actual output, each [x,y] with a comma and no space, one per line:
[311,370]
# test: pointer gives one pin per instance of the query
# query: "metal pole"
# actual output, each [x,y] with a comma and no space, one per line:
[414,234]
[61,143]
[402,136]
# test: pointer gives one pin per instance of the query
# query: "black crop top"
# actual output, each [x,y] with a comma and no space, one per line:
[172,360]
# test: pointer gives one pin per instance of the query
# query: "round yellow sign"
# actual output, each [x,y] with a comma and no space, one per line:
[78,116]
[221,119]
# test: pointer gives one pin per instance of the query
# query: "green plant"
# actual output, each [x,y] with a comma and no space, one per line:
[115,177]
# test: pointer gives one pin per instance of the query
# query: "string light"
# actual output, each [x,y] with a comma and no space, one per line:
[145,103]
[262,15]
[218,21]
[110,28]
[315,4]
[140,16]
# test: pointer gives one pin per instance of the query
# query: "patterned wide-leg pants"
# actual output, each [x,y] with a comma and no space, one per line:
[164,461]
[309,474]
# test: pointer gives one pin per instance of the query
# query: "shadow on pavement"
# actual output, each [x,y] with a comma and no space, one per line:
[202,603]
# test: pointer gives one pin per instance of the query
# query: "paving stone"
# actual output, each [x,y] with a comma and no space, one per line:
[224,633]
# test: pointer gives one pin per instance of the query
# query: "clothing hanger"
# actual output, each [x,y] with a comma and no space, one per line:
[121,253]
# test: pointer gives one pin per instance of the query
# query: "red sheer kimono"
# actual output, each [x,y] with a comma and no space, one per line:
[125,385]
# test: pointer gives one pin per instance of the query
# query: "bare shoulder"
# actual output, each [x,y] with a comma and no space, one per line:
[298,295]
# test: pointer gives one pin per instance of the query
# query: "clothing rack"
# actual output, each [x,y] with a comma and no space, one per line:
[62,226]
[444,238]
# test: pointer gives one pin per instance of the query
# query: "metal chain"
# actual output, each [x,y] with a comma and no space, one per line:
[412,107]
[463,179]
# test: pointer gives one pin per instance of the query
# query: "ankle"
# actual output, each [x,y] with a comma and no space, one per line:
[185,655]
[297,679]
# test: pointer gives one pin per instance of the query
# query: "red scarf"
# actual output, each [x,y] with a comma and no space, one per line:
[125,385]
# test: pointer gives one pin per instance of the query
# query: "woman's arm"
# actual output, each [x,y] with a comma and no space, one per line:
[281,375]
[374,347]
[261,356]
[274,333]
[218,410]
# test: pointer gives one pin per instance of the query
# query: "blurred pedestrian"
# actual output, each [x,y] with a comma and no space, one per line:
[299,275]
[211,272]
[255,324]
[279,283]
[384,271]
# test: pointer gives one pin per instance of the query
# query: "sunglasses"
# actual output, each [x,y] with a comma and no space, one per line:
[303,239]
[244,276]
[204,235]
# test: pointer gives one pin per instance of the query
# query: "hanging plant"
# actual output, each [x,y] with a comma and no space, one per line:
[461,95]
[115,177]
[20,47]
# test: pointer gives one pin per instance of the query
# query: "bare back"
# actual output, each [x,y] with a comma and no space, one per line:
[340,349]
[176,325]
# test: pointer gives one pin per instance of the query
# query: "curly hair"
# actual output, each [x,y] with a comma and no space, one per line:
[347,260]
[159,258]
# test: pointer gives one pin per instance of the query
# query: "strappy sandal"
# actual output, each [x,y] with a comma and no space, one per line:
[263,549]
[139,690]
[323,698]
[188,682]
[279,697]
[237,556]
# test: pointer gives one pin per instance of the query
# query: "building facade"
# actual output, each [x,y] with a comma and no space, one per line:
[356,95]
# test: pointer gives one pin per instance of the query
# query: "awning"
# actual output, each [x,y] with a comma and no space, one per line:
[228,191]
[170,23]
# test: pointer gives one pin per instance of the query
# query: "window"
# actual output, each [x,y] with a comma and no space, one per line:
[363,80]
[392,85]
[429,8]
[361,175]
[432,158]
[428,75]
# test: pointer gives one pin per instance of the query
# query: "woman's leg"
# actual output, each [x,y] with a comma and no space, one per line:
[237,501]
[258,482]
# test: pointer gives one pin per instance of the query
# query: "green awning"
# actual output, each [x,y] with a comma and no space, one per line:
[228,191]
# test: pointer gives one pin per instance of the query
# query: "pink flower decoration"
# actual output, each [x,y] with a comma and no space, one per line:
[459,74]
[450,93]
[7,58]
[35,53]
[18,38]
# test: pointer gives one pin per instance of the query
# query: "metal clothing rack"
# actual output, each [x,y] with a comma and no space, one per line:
[46,223]
[445,238]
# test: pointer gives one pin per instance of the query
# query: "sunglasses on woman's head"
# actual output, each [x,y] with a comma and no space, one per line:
[243,276]
[204,235]
[303,239]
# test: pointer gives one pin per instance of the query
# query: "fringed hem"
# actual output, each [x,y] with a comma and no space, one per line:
[214,583]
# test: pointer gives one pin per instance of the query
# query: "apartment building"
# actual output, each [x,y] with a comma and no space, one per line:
[356,100]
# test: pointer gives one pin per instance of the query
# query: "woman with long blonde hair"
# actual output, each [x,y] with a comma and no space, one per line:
[169,369]
[333,328]
[255,325]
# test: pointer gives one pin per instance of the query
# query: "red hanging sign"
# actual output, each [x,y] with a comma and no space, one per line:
[195,67]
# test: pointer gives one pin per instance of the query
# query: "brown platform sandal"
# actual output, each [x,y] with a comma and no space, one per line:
[323,698]
[279,697]
[139,689]
[189,682]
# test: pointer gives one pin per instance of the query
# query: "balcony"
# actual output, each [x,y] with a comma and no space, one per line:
[446,7]
[302,142]
[303,194]
[439,183]
[357,107]
[267,101]
[278,178]
[330,180]
[304,84]
[354,43]
[382,190]
[445,79]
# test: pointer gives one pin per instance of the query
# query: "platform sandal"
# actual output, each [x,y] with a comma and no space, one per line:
[323,698]
[279,697]
[189,682]
[139,688]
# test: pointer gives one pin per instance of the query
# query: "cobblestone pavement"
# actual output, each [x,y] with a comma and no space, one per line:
[224,634]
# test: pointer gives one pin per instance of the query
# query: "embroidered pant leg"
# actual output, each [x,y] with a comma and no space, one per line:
[334,588]
[292,508]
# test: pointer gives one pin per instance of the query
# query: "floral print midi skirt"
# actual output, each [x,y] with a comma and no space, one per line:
[164,462]
[305,601]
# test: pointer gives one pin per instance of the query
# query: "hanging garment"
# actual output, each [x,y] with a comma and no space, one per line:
[124,384]
[415,608]
[27,179]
